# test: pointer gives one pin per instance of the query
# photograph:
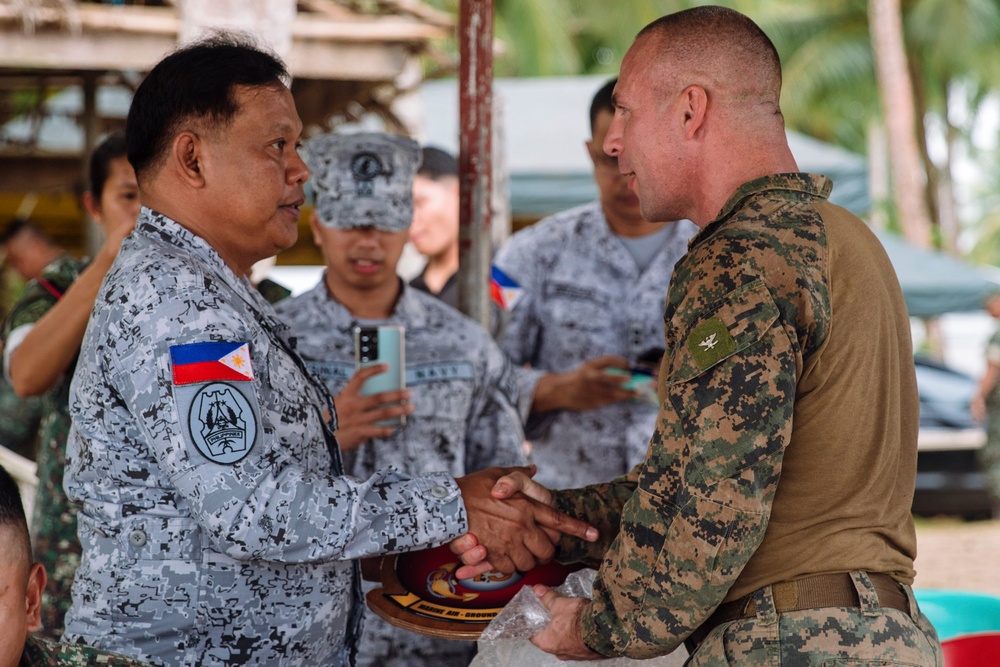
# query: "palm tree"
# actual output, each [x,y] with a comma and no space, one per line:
[831,91]
[893,74]
[565,37]
[953,53]
[956,51]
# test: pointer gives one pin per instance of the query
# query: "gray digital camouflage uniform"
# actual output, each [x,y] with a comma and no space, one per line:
[785,305]
[582,296]
[465,419]
[216,525]
[53,521]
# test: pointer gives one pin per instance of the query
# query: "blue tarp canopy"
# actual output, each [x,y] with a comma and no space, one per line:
[545,121]
[935,283]
[544,125]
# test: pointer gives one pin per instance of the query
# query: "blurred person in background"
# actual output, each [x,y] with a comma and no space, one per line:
[587,308]
[985,407]
[434,231]
[42,340]
[460,402]
[27,249]
[21,585]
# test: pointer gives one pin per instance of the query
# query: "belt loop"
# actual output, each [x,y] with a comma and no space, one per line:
[763,600]
[911,601]
[867,595]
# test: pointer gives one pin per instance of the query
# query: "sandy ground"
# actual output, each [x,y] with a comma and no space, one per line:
[956,554]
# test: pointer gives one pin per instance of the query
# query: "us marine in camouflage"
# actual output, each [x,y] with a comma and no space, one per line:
[21,585]
[20,421]
[460,399]
[217,525]
[770,523]
[43,335]
[985,407]
[589,299]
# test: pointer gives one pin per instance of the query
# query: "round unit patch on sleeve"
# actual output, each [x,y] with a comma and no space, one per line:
[222,424]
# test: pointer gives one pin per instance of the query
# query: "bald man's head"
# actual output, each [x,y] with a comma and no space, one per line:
[722,51]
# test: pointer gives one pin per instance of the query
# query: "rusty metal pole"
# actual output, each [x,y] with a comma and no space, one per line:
[92,236]
[475,163]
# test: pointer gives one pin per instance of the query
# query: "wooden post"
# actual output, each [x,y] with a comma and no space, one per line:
[475,165]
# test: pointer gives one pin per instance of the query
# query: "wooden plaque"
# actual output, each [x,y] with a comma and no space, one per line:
[420,593]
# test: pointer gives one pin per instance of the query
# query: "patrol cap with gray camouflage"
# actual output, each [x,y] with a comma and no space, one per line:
[363,180]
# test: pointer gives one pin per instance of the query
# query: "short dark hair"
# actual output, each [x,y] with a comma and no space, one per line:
[195,82]
[12,509]
[99,167]
[19,226]
[437,163]
[602,102]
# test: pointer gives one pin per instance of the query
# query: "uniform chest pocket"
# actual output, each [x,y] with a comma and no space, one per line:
[441,390]
[577,307]
[291,409]
[434,437]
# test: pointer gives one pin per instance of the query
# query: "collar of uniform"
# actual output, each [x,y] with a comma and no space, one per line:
[609,246]
[412,307]
[779,185]
[409,310]
[334,312]
[168,230]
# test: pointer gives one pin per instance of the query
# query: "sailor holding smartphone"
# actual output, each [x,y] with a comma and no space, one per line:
[417,385]
[582,292]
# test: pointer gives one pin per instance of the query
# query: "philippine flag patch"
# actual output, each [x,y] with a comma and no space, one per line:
[211,362]
[504,290]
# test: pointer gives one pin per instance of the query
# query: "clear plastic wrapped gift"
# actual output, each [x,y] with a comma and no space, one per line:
[505,641]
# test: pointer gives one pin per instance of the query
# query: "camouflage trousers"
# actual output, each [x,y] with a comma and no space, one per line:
[867,636]
[989,454]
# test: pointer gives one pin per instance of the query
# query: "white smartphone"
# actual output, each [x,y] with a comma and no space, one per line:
[382,344]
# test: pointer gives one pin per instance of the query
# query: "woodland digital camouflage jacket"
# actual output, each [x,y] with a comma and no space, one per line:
[735,493]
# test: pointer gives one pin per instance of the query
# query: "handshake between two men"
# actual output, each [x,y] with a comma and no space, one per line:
[513,526]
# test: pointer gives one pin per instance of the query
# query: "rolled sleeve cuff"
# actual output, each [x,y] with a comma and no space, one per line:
[527,380]
[421,512]
[590,632]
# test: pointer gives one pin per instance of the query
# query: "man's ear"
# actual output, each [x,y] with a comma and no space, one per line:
[694,106]
[314,226]
[92,207]
[186,157]
[33,596]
